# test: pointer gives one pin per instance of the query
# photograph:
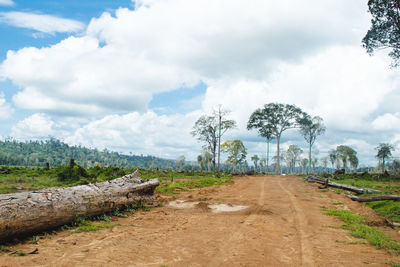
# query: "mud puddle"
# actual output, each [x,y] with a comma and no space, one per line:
[214,208]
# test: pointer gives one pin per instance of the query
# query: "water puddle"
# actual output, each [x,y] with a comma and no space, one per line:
[182,204]
[215,208]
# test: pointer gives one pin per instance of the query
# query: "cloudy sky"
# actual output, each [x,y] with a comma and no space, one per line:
[133,76]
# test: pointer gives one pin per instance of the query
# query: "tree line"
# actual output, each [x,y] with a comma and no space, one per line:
[271,121]
[55,152]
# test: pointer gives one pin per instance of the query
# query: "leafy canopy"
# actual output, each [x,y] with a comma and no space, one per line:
[385,28]
[275,118]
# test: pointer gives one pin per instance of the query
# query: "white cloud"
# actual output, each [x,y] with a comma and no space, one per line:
[5,108]
[123,60]
[387,122]
[40,22]
[37,126]
[305,53]
[6,3]
[148,133]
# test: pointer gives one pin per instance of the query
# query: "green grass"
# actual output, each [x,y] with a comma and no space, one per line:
[338,203]
[387,208]
[16,179]
[388,185]
[355,224]
[187,185]
[93,227]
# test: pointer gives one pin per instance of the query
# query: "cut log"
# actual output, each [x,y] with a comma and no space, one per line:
[374,198]
[358,190]
[32,212]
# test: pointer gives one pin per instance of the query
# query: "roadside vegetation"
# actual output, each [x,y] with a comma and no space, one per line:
[388,184]
[17,179]
[357,227]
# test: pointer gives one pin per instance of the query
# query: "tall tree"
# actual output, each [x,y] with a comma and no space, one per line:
[180,162]
[304,163]
[384,152]
[353,161]
[255,160]
[346,153]
[276,118]
[310,129]
[324,162]
[267,134]
[210,129]
[292,155]
[385,28]
[223,125]
[205,129]
[333,157]
[236,152]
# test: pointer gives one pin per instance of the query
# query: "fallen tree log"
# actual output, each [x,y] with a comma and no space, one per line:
[32,212]
[326,182]
[374,198]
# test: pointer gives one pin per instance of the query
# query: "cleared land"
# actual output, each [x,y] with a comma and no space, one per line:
[283,226]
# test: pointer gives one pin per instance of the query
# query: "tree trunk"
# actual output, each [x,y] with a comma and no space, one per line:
[219,134]
[374,198]
[267,155]
[278,166]
[33,212]
[309,158]
[358,190]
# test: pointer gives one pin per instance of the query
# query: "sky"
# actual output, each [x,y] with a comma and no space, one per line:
[134,76]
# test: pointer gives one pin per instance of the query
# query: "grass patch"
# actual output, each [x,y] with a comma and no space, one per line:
[387,208]
[170,188]
[93,227]
[393,264]
[355,224]
[338,203]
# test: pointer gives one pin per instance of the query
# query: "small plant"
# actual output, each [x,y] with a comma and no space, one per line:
[5,249]
[146,208]
[20,253]
[35,240]
[337,203]
[117,213]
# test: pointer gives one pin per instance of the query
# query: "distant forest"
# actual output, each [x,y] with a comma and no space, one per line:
[56,152]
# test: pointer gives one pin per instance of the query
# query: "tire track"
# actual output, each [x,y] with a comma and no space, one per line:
[237,233]
[306,250]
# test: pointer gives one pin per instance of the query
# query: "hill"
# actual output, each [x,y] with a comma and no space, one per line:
[56,152]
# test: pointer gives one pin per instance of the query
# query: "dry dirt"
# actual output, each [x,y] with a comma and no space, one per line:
[283,226]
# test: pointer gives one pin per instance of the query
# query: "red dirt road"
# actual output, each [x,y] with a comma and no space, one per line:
[283,226]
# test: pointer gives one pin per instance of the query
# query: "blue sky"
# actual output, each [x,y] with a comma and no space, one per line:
[135,76]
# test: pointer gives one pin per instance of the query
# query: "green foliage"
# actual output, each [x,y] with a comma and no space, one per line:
[384,152]
[347,154]
[273,119]
[210,128]
[55,153]
[236,152]
[355,223]
[384,31]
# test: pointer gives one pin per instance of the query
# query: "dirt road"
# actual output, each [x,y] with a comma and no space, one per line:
[282,226]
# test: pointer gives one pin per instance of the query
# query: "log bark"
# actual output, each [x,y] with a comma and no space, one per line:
[374,198]
[358,190]
[32,212]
